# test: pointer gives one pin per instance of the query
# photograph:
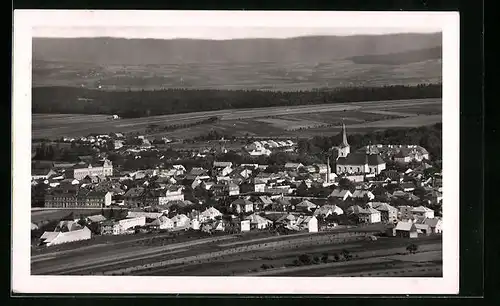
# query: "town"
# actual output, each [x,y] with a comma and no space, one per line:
[120,185]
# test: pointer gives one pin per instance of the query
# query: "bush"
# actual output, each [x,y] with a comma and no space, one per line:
[336,257]
[264,267]
[346,255]
[305,259]
[412,248]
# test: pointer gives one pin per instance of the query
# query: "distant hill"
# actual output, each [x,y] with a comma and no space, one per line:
[310,49]
[400,58]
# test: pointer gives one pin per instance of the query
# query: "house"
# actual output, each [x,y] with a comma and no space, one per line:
[403,156]
[44,173]
[321,168]
[96,219]
[281,204]
[173,193]
[407,186]
[312,224]
[181,221]
[306,206]
[371,215]
[404,213]
[259,222]
[327,210]
[262,202]
[359,212]
[54,238]
[101,168]
[287,219]
[422,211]
[260,152]
[341,194]
[405,230]
[360,194]
[278,189]
[423,228]
[118,144]
[242,205]
[233,189]
[245,225]
[210,213]
[163,223]
[434,197]
[198,173]
[147,215]
[387,212]
[123,225]
[67,226]
[223,171]
[259,186]
[134,197]
[222,164]
[435,224]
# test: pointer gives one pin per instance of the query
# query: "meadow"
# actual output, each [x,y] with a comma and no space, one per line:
[289,76]
[293,121]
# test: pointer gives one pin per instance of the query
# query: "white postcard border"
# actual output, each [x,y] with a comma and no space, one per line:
[23,282]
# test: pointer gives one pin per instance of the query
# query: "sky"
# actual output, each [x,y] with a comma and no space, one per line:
[215,32]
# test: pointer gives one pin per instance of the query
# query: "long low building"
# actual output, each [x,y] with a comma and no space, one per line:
[77,199]
[53,238]
[101,168]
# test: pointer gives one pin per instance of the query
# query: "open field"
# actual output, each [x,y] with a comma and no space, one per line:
[251,75]
[272,121]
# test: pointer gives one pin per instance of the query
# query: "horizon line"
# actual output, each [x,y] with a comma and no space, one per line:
[238,38]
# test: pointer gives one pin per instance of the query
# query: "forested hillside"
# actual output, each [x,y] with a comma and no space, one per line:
[130,104]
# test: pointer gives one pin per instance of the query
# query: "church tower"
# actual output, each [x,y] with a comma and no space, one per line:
[328,170]
[344,148]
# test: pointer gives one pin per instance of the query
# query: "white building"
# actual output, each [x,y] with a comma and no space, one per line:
[102,168]
[422,211]
[210,213]
[245,225]
[125,224]
[181,221]
[53,238]
[312,225]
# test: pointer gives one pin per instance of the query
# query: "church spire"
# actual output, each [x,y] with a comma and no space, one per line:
[344,136]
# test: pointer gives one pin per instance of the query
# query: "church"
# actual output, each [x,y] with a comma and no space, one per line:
[356,163]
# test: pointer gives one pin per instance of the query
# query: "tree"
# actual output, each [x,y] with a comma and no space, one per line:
[346,255]
[305,259]
[82,222]
[346,184]
[324,257]
[336,256]
[302,190]
[412,248]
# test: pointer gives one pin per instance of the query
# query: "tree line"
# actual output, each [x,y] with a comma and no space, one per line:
[133,104]
[155,128]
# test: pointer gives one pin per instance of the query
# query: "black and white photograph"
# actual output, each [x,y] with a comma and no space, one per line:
[235,152]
